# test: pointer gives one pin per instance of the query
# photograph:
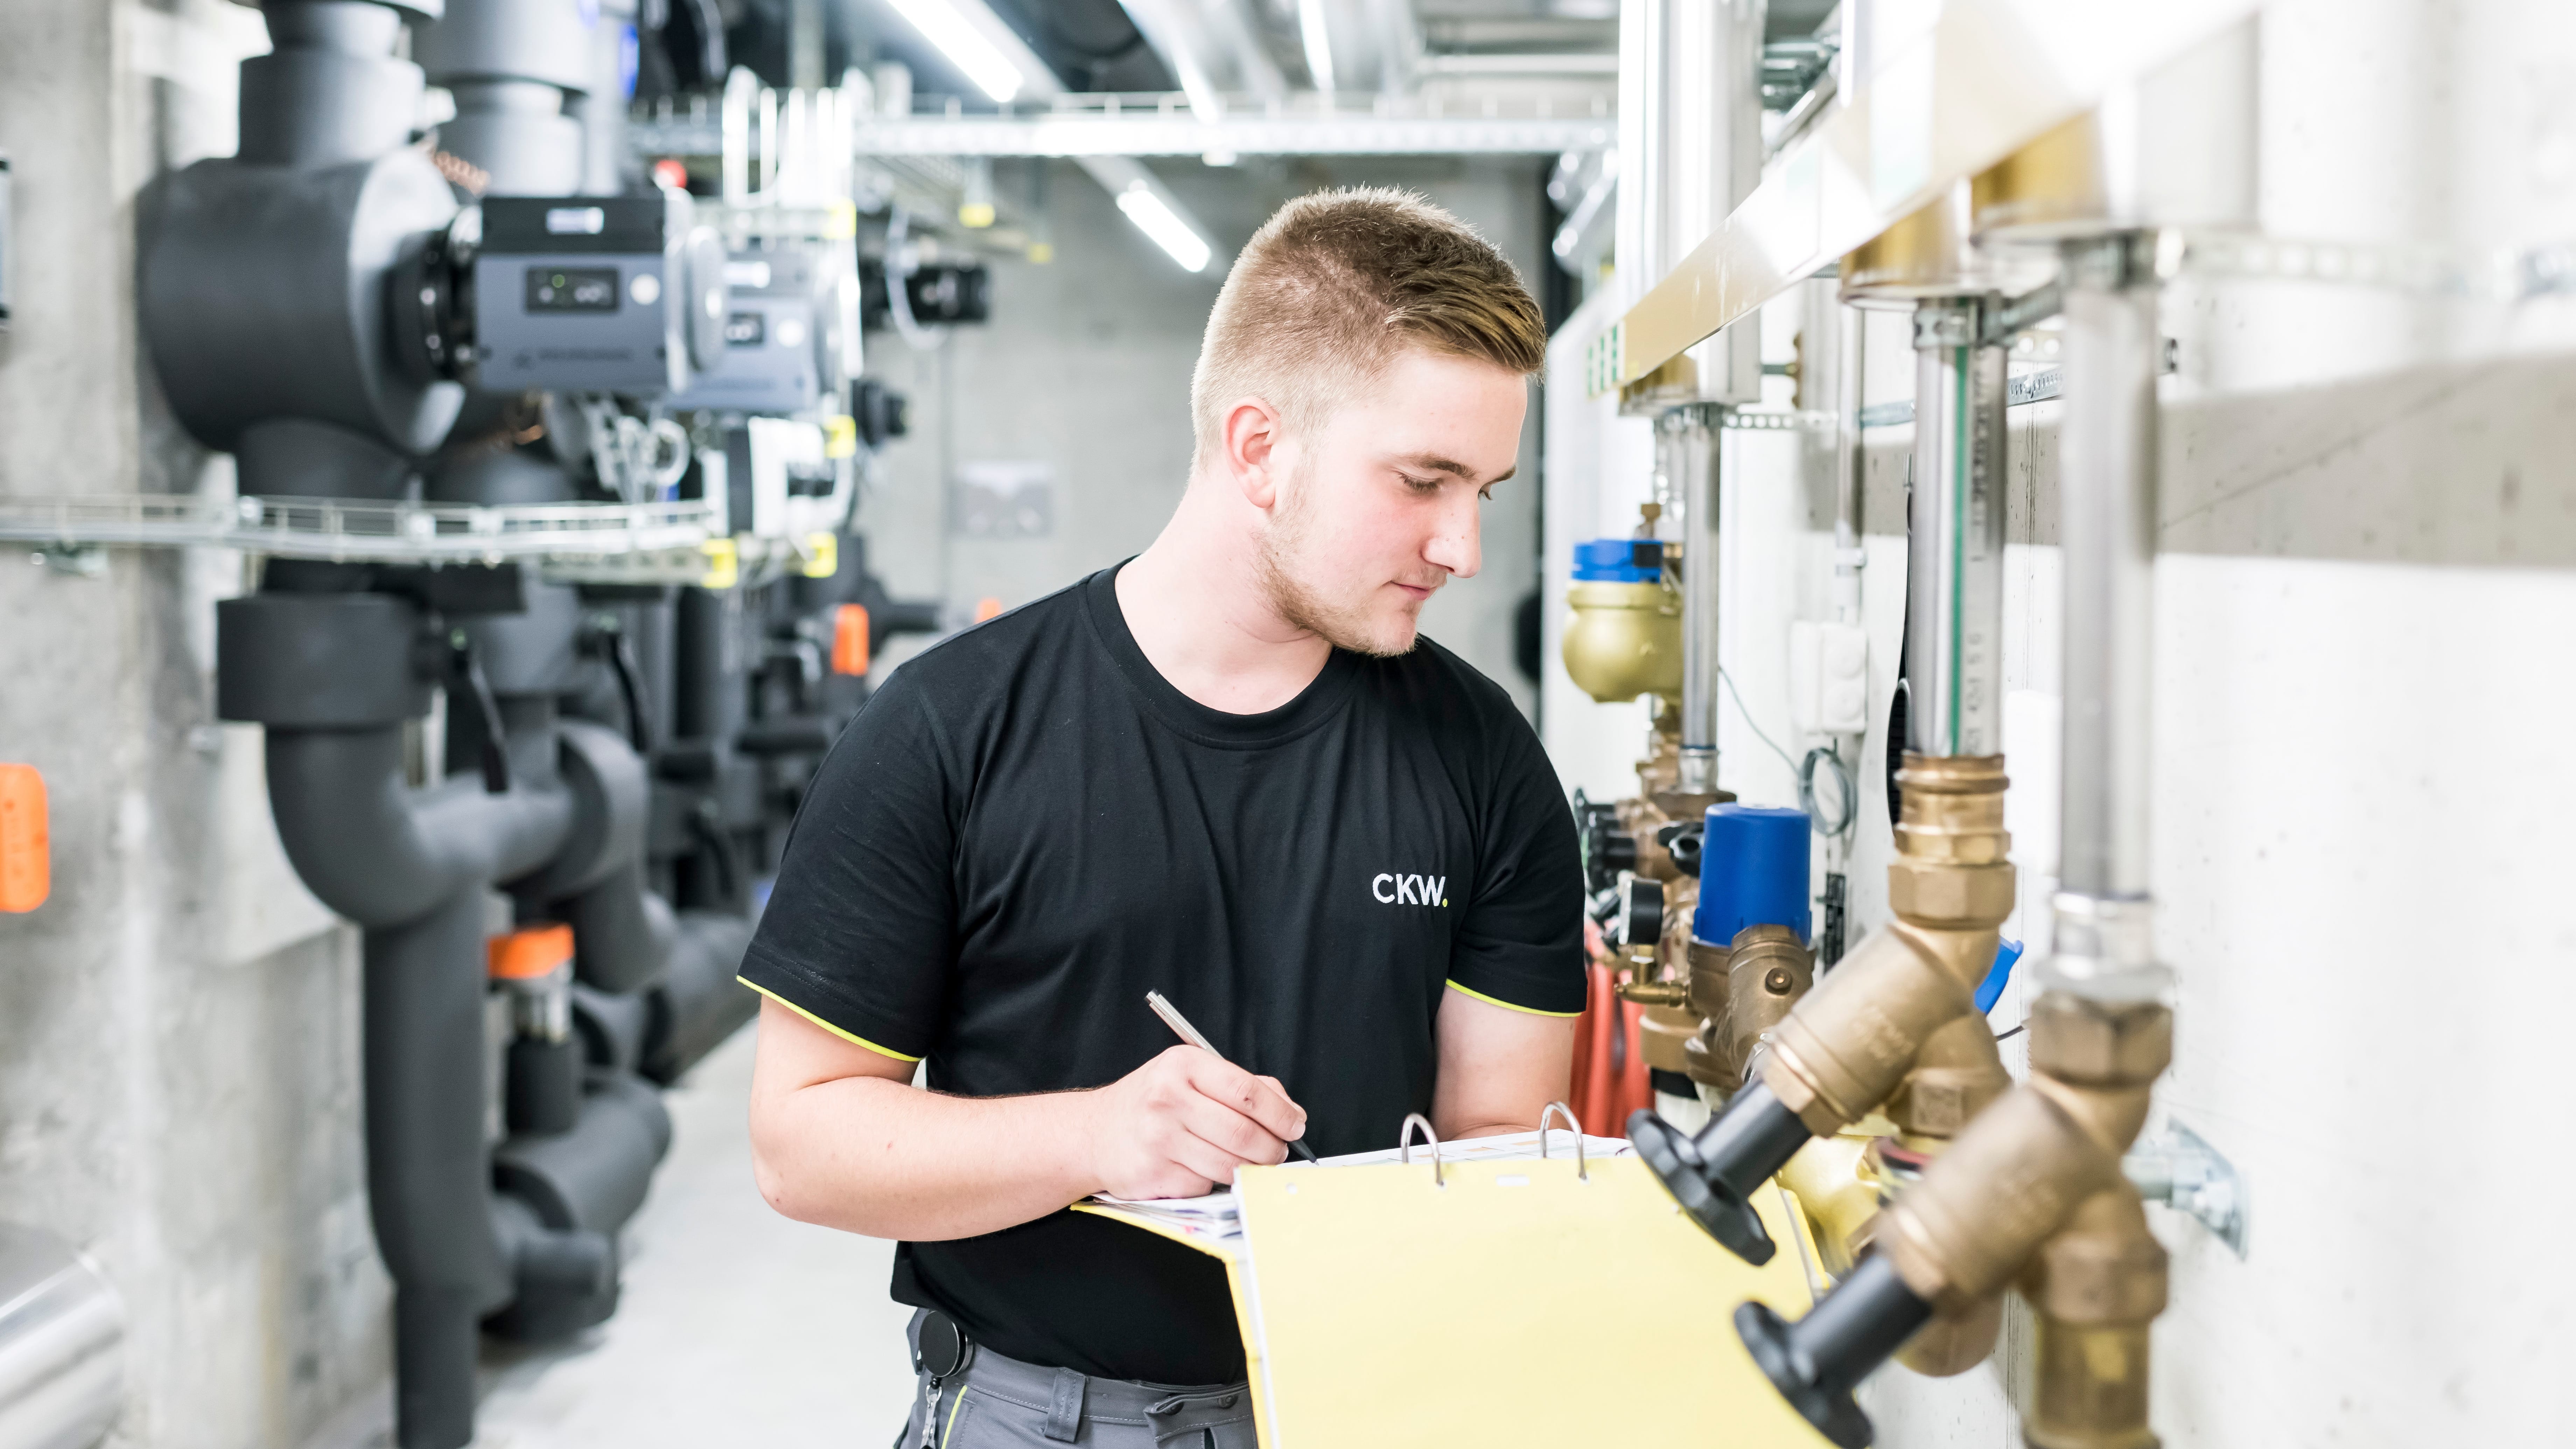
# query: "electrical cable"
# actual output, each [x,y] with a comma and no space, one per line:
[1844,790]
[1729,680]
[1806,772]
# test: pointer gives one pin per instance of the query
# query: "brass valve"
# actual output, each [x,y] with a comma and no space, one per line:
[1870,1034]
[2032,1191]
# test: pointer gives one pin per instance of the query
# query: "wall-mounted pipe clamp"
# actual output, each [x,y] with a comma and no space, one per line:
[2177,1168]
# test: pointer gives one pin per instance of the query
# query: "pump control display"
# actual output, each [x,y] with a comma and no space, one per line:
[617,294]
[572,289]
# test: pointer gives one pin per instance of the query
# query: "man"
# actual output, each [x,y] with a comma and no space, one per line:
[1227,771]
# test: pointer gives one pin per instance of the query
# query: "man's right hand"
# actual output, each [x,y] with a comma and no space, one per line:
[1180,1124]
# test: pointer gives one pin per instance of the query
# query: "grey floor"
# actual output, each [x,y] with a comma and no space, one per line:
[737,1326]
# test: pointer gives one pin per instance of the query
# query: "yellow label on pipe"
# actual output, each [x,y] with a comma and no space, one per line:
[822,555]
[840,436]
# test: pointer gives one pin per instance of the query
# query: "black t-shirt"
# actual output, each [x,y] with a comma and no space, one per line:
[1028,828]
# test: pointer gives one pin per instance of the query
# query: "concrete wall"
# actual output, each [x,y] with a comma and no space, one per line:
[1086,366]
[2367,587]
[178,1023]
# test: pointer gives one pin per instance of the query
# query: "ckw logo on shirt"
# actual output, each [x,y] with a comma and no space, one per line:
[1410,890]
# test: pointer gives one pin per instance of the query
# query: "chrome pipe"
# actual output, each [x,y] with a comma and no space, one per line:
[2107,513]
[1851,460]
[1688,439]
[62,1344]
[1955,554]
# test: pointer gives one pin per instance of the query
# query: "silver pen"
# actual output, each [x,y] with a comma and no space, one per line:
[1172,1018]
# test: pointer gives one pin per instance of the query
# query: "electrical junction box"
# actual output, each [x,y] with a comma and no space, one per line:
[1829,677]
[772,358]
[584,294]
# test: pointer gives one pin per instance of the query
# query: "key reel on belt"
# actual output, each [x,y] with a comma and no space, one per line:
[941,1351]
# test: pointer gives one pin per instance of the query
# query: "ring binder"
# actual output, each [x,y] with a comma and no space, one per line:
[1353,1287]
[1404,1144]
[1582,1172]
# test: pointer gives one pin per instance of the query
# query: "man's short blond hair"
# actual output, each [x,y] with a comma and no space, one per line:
[1335,286]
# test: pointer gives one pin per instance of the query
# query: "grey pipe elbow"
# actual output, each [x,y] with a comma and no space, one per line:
[381,854]
[622,932]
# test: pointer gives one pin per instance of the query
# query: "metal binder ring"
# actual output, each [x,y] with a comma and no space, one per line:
[1582,1173]
[1404,1145]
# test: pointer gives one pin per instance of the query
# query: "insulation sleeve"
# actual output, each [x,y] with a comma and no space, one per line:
[382,854]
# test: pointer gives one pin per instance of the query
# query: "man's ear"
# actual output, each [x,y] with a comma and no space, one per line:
[1252,450]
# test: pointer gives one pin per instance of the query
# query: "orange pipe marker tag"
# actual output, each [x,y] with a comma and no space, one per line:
[529,952]
[850,639]
[26,857]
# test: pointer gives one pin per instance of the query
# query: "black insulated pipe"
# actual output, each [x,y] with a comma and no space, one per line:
[1714,1173]
[700,1001]
[1817,1361]
[331,92]
[429,1182]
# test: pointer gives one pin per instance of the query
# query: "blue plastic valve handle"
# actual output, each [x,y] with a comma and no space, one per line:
[1991,990]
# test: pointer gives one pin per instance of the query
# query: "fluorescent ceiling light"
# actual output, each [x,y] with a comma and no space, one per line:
[1319,43]
[1169,232]
[967,48]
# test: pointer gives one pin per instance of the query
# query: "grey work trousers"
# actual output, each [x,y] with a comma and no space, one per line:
[1002,1403]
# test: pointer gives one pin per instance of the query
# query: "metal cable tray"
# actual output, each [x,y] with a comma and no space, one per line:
[351,530]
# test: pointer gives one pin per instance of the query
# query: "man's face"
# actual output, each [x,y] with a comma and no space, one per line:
[1379,507]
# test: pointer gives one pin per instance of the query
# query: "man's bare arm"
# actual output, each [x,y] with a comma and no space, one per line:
[842,1138]
[1498,1067]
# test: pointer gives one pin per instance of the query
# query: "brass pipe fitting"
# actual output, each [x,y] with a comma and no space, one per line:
[1955,1342]
[2032,1187]
[1664,1034]
[1767,973]
[1956,1075]
[1840,1194]
[1848,1047]
[2097,1286]
[2019,1173]
[1740,993]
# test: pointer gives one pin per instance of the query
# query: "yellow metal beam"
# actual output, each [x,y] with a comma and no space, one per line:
[1987,78]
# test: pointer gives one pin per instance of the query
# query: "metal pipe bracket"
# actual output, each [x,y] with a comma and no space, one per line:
[2180,1169]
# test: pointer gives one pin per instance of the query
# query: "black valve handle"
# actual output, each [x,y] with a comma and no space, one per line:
[1714,1173]
[1817,1361]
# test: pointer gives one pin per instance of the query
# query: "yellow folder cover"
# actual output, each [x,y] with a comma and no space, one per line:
[1515,1303]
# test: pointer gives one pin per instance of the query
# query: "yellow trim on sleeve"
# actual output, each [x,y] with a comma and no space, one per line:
[827,1026]
[1489,1001]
